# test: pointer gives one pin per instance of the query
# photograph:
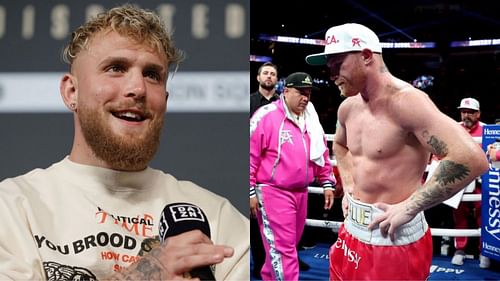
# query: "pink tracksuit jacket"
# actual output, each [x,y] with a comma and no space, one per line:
[279,151]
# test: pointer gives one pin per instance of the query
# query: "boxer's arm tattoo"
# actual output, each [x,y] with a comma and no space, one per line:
[447,175]
[439,147]
[444,183]
[450,171]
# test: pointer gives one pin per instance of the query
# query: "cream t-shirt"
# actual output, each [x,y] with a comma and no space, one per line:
[74,222]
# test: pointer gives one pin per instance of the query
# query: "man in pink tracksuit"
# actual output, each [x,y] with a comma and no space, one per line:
[287,152]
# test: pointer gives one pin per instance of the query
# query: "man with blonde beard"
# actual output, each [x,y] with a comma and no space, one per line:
[95,214]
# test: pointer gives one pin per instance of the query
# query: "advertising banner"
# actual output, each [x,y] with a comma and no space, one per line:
[490,208]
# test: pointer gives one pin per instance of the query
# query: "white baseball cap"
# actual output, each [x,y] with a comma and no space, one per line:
[346,38]
[469,103]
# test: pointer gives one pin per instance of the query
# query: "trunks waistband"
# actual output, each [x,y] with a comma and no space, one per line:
[361,214]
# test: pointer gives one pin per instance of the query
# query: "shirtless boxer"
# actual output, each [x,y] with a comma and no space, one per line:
[386,131]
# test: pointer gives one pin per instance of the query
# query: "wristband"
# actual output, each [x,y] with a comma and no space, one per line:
[328,186]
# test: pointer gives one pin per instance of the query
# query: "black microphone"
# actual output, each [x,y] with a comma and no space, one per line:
[178,218]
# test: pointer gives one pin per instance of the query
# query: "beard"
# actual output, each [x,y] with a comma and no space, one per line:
[468,123]
[268,86]
[350,86]
[127,152]
[342,91]
[346,91]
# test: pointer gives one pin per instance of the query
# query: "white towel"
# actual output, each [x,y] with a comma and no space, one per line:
[316,133]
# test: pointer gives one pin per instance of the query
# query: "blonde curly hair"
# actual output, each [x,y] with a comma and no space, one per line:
[142,25]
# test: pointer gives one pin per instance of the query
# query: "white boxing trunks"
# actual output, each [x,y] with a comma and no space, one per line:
[360,215]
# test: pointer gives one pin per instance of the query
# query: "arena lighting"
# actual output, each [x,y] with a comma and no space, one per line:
[293,40]
[321,42]
[423,81]
[257,58]
[474,43]
[408,45]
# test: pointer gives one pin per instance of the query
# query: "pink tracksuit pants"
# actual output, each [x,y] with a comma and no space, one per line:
[282,217]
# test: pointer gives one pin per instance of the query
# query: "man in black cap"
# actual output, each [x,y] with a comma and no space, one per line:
[287,151]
